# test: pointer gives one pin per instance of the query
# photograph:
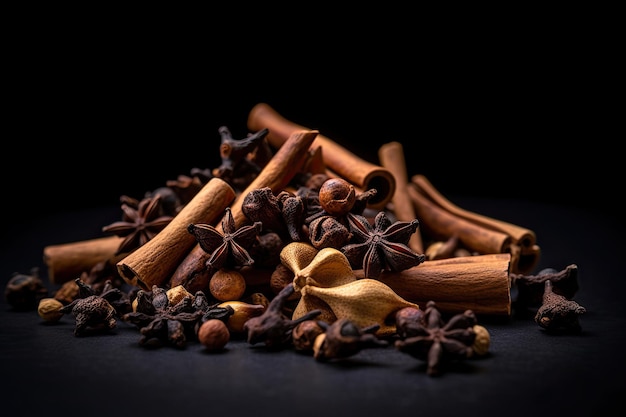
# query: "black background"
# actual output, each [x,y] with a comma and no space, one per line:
[96,115]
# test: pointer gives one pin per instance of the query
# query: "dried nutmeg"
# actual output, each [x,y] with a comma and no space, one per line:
[213,334]
[227,284]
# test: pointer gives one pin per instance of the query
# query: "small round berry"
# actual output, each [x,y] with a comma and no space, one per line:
[227,284]
[213,334]
[337,196]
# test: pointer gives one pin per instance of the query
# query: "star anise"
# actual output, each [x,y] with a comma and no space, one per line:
[383,247]
[161,322]
[139,224]
[228,249]
[430,339]
[185,187]
[331,228]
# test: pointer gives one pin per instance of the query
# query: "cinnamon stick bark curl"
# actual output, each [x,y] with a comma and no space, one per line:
[154,262]
[363,174]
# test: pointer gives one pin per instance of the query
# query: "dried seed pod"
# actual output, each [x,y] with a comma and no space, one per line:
[67,292]
[258,298]
[442,249]
[176,294]
[242,312]
[329,268]
[311,302]
[481,344]
[297,255]
[49,309]
[364,302]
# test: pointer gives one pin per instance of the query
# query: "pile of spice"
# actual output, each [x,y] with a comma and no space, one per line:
[294,242]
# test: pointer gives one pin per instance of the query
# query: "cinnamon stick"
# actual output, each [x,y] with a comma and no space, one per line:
[441,224]
[276,174]
[154,262]
[523,246]
[526,238]
[340,161]
[67,261]
[480,283]
[391,157]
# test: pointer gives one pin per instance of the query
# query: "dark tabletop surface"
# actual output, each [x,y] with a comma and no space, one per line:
[526,373]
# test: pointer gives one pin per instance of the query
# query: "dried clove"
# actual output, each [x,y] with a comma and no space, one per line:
[530,288]
[273,327]
[24,291]
[236,168]
[305,333]
[343,339]
[557,313]
[409,321]
[92,312]
[282,214]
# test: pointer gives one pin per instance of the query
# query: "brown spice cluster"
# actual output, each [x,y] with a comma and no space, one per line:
[317,305]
